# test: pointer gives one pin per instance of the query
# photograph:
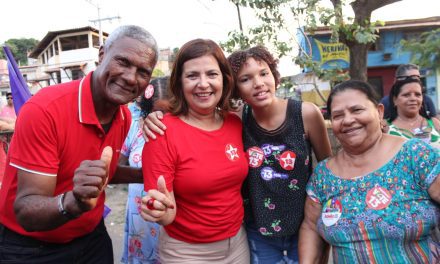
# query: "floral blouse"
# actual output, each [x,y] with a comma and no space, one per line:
[386,216]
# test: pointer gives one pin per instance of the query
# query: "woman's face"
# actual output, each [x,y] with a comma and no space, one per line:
[409,100]
[256,83]
[355,119]
[202,83]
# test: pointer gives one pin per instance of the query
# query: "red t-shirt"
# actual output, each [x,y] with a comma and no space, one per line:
[56,130]
[205,170]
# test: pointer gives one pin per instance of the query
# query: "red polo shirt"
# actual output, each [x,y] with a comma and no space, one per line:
[56,130]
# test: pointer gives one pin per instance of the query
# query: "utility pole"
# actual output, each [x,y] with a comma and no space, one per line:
[99,20]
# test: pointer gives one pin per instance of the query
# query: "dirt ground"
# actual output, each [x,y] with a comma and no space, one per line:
[116,199]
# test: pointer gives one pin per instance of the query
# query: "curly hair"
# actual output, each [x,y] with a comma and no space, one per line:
[259,53]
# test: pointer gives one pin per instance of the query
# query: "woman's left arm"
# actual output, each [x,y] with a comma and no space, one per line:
[316,131]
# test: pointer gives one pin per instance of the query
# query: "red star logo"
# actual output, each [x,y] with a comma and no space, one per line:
[287,160]
[231,152]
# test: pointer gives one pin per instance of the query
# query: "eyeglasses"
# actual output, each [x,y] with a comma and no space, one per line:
[408,77]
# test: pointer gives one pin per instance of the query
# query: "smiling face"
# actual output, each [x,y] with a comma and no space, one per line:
[256,83]
[202,83]
[355,119]
[124,72]
[409,100]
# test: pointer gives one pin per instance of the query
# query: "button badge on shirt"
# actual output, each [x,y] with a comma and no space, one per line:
[331,212]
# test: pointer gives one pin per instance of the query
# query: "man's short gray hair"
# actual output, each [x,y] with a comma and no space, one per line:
[403,68]
[134,32]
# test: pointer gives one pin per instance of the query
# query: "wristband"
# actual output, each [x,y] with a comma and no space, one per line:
[61,208]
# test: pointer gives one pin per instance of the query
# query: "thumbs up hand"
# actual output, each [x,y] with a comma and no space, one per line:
[91,178]
[159,204]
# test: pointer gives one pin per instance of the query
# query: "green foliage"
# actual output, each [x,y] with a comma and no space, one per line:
[157,73]
[20,48]
[425,51]
[358,30]
[272,21]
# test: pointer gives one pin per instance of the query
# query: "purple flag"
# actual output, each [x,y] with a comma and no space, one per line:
[19,89]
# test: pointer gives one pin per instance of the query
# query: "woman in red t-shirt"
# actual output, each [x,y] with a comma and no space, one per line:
[194,173]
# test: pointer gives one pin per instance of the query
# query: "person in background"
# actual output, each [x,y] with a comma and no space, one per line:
[407,117]
[7,126]
[278,135]
[7,113]
[65,150]
[403,72]
[377,200]
[194,173]
[140,237]
[135,107]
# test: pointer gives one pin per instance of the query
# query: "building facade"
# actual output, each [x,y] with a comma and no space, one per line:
[384,56]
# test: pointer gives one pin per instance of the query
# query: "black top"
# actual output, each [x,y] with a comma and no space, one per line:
[280,165]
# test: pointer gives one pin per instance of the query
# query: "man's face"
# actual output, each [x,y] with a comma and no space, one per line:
[125,71]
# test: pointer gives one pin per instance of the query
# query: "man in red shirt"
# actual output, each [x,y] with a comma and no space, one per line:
[64,152]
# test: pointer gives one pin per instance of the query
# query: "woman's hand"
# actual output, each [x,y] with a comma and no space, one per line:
[159,204]
[153,125]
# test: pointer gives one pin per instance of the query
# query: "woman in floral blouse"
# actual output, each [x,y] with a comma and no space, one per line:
[377,200]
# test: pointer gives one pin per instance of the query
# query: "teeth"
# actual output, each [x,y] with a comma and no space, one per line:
[203,94]
[260,93]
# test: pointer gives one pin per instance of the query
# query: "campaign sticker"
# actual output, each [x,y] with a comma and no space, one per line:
[331,212]
[255,156]
[231,152]
[287,160]
[149,91]
[267,174]
[378,198]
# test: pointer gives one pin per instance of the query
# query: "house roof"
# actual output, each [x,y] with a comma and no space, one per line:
[405,24]
[53,34]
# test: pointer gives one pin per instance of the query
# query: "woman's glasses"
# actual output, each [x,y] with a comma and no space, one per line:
[408,77]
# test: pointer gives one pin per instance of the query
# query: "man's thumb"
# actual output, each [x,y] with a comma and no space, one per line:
[161,185]
[106,155]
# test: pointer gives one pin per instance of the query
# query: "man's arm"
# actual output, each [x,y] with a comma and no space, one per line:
[37,209]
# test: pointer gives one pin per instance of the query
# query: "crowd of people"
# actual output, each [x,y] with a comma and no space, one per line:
[216,181]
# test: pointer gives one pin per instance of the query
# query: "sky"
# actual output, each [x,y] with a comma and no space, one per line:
[172,22]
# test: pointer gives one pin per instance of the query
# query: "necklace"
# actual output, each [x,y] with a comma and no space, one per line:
[408,120]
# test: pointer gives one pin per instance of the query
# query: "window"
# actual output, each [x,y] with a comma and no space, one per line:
[56,47]
[95,41]
[74,42]
[375,46]
[77,74]
[412,35]
[50,51]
